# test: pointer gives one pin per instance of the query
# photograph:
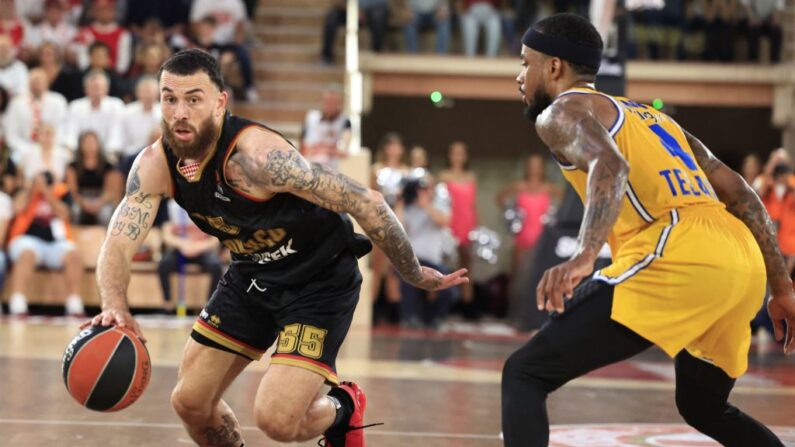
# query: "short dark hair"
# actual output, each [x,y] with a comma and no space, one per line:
[98,44]
[575,29]
[190,61]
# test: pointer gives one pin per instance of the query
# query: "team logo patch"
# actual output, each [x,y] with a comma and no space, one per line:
[641,435]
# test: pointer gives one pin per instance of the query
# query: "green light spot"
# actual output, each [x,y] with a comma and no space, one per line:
[436,96]
[658,103]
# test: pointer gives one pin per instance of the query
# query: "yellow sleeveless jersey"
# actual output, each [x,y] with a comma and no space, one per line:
[687,274]
[663,173]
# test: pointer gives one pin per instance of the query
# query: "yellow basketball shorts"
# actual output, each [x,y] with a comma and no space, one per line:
[693,280]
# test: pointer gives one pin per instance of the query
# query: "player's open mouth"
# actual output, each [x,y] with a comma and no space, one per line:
[183,133]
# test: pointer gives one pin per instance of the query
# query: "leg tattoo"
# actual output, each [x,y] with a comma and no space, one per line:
[227,435]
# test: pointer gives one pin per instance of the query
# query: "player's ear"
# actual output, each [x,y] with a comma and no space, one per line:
[223,101]
[555,68]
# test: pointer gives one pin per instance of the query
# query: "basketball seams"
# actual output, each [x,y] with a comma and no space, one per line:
[135,372]
[75,359]
[102,371]
[71,362]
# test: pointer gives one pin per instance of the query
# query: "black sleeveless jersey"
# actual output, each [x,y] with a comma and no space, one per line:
[282,241]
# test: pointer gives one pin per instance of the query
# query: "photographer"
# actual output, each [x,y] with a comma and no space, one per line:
[425,221]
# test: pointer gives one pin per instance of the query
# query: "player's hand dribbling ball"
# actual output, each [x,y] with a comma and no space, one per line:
[106,368]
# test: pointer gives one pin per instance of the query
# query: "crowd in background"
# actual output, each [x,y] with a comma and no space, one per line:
[708,30]
[79,100]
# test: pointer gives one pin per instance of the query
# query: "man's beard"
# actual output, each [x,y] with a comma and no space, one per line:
[541,100]
[202,139]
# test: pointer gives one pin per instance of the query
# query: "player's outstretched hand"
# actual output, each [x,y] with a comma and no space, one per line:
[559,283]
[435,280]
[118,317]
[781,307]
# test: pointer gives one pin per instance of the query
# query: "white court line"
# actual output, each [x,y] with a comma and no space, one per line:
[181,427]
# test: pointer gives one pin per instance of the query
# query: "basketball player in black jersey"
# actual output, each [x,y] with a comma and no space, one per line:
[294,271]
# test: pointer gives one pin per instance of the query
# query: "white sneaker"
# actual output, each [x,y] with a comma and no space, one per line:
[17,305]
[74,306]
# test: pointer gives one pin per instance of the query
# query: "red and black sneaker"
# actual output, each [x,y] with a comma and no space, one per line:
[352,435]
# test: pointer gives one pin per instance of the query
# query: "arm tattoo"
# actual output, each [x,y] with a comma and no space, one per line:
[591,149]
[744,204]
[131,219]
[286,170]
[226,435]
[134,182]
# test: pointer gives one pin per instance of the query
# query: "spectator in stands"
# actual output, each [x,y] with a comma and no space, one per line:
[54,28]
[62,77]
[106,28]
[95,184]
[376,17]
[11,24]
[99,59]
[658,32]
[721,17]
[98,112]
[387,174]
[230,34]
[751,168]
[173,15]
[477,14]
[428,14]
[30,11]
[6,214]
[37,105]
[533,195]
[13,72]
[764,19]
[10,176]
[40,236]
[141,118]
[186,244]
[419,165]
[461,183]
[327,132]
[148,59]
[425,221]
[694,37]
[45,154]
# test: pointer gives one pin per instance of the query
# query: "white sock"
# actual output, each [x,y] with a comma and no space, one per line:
[17,296]
[73,296]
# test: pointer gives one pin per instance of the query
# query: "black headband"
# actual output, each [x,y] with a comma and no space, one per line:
[555,46]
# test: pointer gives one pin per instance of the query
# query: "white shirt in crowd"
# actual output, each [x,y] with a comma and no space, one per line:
[29,9]
[24,114]
[317,130]
[62,34]
[137,126]
[227,13]
[32,162]
[105,121]
[14,78]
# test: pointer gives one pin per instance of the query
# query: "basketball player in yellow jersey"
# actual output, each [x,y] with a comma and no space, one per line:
[692,246]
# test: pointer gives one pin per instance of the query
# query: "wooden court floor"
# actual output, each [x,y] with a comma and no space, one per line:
[430,390]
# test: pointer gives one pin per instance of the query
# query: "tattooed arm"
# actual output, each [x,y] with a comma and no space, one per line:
[744,203]
[573,132]
[269,164]
[127,230]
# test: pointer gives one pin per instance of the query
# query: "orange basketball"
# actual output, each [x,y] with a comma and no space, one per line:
[106,368]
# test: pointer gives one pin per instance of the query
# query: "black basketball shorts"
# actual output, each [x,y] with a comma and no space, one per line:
[310,320]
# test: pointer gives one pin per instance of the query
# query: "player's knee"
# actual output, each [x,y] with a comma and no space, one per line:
[695,414]
[523,366]
[191,407]
[277,427]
